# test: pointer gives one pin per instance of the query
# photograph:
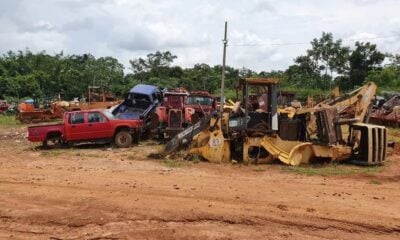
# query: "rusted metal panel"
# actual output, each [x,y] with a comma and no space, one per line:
[388,114]
[326,119]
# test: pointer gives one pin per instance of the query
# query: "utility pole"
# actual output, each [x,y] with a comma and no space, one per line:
[225,41]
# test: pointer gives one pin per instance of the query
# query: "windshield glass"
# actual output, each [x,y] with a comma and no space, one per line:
[139,96]
[195,100]
[108,114]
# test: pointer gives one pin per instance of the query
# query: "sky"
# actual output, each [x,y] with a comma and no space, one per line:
[263,35]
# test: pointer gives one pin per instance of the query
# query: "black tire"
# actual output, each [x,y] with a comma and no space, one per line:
[123,139]
[51,143]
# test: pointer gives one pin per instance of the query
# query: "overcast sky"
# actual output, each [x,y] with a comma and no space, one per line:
[262,34]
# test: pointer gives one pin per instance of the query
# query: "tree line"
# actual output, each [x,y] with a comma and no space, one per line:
[327,63]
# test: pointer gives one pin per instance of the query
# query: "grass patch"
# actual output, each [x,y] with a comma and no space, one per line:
[259,169]
[394,135]
[374,181]
[8,121]
[93,155]
[194,158]
[172,163]
[332,170]
[51,153]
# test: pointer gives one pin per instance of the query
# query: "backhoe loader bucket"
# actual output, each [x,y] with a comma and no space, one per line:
[289,152]
[211,144]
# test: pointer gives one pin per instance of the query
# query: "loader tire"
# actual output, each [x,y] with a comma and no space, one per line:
[123,139]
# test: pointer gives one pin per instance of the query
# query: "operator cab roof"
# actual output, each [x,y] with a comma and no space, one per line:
[259,81]
[144,89]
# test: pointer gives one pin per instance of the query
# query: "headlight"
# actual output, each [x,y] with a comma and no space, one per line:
[233,123]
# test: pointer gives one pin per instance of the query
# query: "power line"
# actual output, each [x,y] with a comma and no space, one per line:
[305,43]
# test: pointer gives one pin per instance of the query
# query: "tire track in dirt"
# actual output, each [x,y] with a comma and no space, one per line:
[70,197]
[321,223]
[114,227]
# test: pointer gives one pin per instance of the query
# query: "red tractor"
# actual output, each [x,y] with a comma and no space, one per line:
[202,102]
[173,115]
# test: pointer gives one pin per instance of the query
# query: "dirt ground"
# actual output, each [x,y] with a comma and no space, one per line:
[103,193]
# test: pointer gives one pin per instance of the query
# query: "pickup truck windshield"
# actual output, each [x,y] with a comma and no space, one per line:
[140,97]
[108,114]
[195,100]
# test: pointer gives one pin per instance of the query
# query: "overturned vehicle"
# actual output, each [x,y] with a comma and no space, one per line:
[140,103]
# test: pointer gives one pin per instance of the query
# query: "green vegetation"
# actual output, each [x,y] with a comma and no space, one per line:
[374,181]
[25,74]
[332,170]
[172,163]
[90,155]
[259,169]
[194,158]
[52,153]
[394,134]
[8,121]
[328,62]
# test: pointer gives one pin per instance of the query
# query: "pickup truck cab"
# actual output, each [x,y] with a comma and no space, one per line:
[88,126]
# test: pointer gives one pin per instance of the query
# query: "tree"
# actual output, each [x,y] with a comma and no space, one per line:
[387,77]
[304,73]
[363,59]
[156,69]
[325,60]
[329,57]
[394,60]
[153,62]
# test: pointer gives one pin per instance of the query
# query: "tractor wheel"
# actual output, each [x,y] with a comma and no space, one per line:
[123,139]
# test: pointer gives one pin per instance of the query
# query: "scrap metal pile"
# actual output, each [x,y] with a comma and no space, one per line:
[31,111]
[4,106]
[388,114]
[253,129]
[147,111]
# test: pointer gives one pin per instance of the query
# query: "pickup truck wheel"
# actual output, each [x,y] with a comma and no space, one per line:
[123,139]
[51,143]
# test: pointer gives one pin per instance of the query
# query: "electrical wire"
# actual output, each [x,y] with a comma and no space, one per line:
[306,43]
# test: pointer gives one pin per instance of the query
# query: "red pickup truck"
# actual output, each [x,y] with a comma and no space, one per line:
[88,126]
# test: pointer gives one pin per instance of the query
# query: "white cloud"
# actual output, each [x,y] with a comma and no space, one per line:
[193,30]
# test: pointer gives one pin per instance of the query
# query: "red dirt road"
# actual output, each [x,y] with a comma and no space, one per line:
[98,193]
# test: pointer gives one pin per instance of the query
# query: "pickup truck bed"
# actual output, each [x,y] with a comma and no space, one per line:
[39,133]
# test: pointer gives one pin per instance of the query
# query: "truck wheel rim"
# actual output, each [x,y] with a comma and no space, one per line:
[122,139]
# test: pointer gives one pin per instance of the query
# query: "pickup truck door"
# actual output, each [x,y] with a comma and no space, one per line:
[98,126]
[75,126]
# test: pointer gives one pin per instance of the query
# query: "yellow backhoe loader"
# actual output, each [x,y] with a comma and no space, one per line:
[252,129]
